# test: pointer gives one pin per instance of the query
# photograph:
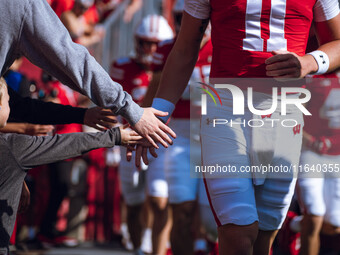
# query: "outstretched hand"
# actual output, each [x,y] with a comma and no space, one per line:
[99,118]
[134,142]
[154,130]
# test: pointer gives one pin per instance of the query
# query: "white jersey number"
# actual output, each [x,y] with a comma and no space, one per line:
[253,40]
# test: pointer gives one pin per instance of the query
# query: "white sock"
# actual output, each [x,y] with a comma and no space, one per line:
[295,224]
[146,245]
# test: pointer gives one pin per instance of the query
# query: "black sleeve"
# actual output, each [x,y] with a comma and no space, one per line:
[31,151]
[40,112]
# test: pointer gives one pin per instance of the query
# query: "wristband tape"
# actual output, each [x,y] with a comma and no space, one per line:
[164,106]
[322,59]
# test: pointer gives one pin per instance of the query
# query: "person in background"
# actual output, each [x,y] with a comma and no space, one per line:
[134,74]
[183,189]
[318,191]
[80,30]
[31,35]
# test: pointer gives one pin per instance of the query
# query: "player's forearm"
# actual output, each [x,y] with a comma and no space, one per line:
[328,34]
[332,49]
[182,58]
[177,72]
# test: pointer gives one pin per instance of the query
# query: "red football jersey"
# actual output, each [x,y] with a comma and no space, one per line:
[200,74]
[132,76]
[252,29]
[325,109]
[245,32]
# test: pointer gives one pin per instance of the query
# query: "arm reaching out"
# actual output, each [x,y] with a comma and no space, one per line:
[182,59]
[31,151]
[27,129]
[31,35]
[99,118]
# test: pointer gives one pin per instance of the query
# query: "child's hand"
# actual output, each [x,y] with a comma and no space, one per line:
[99,118]
[129,137]
[132,140]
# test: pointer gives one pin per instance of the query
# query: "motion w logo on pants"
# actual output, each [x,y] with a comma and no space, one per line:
[297,129]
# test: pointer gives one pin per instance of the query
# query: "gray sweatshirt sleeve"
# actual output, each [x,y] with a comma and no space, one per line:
[31,151]
[46,43]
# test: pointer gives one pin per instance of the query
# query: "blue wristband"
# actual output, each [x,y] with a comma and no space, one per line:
[164,106]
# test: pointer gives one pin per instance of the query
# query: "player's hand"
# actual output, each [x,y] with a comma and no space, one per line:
[134,142]
[141,153]
[38,130]
[154,130]
[285,65]
[99,118]
[25,199]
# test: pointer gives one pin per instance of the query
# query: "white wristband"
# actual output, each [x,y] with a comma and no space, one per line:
[164,106]
[322,59]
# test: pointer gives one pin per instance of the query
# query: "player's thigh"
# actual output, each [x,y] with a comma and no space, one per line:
[232,200]
[274,196]
[230,191]
[310,189]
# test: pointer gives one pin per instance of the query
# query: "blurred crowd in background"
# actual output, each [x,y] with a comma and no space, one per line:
[80,199]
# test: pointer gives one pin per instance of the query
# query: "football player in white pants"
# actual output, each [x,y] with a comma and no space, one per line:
[251,39]
[319,182]
[183,189]
[139,186]
[134,74]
